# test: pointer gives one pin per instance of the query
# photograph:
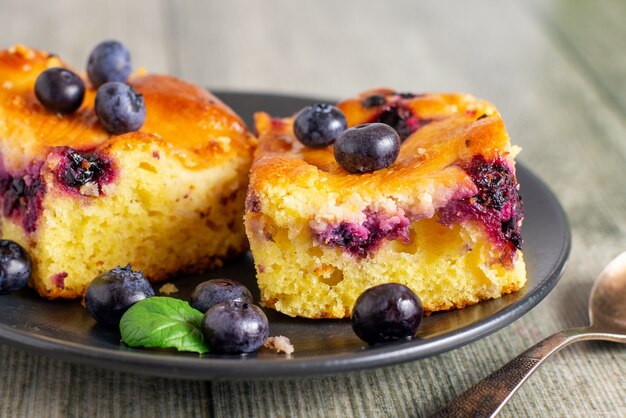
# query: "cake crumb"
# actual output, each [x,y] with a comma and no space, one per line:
[18,102]
[168,289]
[89,189]
[222,142]
[58,279]
[280,344]
[23,51]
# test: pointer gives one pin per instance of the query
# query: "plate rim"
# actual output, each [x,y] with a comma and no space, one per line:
[224,368]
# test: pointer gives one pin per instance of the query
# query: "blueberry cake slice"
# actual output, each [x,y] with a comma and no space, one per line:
[166,199]
[443,219]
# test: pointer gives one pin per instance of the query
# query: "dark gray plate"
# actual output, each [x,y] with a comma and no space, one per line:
[63,329]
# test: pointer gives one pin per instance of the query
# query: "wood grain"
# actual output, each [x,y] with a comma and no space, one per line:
[592,36]
[555,70]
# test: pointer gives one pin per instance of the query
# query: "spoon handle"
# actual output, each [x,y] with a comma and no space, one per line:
[487,397]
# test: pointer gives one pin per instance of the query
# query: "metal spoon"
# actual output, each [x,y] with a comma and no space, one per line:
[607,317]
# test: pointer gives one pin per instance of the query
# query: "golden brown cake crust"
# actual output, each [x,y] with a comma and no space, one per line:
[454,136]
[202,266]
[201,118]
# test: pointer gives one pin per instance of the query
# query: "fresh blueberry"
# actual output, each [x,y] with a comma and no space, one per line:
[212,292]
[109,61]
[15,266]
[367,147]
[319,125]
[110,294]
[235,328]
[120,108]
[60,90]
[386,312]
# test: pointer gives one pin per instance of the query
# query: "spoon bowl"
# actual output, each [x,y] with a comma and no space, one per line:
[607,304]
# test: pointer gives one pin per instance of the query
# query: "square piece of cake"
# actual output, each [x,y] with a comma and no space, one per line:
[166,199]
[443,219]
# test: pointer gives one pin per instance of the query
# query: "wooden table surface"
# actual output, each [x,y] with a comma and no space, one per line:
[555,69]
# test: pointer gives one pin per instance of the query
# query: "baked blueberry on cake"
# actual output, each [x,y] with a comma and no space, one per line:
[161,188]
[432,204]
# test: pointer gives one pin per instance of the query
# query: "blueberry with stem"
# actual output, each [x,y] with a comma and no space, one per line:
[318,126]
[109,61]
[367,147]
[120,108]
[111,294]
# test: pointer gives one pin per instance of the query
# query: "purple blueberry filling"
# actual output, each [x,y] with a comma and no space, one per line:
[22,195]
[497,204]
[76,169]
[252,204]
[396,114]
[361,240]
[401,119]
[374,100]
[58,279]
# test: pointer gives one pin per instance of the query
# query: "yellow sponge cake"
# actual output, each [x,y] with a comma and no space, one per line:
[443,219]
[167,199]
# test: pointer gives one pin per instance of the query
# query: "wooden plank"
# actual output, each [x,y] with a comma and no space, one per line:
[36,386]
[593,37]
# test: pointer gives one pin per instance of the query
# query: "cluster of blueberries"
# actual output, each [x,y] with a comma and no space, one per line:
[232,323]
[118,106]
[360,149]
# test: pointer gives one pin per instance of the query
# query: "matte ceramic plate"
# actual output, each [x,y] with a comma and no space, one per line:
[64,329]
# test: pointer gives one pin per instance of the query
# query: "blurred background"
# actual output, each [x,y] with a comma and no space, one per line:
[556,70]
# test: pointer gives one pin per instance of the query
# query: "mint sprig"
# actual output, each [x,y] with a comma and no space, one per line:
[163,322]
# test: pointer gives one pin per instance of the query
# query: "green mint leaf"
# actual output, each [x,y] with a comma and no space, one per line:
[165,323]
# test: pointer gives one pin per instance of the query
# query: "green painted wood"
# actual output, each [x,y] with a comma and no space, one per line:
[532,61]
[593,36]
